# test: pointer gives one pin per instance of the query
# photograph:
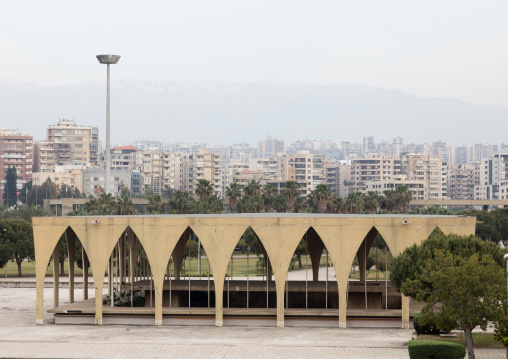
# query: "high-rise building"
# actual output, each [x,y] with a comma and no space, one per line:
[462,180]
[16,150]
[479,151]
[373,168]
[426,169]
[398,145]
[461,155]
[368,145]
[304,168]
[68,143]
[270,147]
[201,165]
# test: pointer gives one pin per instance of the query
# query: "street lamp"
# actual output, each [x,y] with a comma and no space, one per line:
[108,60]
[506,259]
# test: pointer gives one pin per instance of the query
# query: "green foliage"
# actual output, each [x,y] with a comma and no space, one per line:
[427,328]
[9,195]
[407,264]
[466,292]
[429,349]
[16,236]
[204,189]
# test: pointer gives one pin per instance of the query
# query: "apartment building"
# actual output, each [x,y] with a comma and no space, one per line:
[93,179]
[270,147]
[16,150]
[161,171]
[68,143]
[69,175]
[462,180]
[338,177]
[373,167]
[426,169]
[417,187]
[126,158]
[304,168]
[201,165]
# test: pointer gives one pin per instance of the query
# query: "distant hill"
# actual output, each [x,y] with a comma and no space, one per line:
[227,112]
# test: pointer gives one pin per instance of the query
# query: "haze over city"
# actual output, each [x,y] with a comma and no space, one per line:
[226,72]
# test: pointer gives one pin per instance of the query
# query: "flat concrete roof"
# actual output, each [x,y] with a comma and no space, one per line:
[280,215]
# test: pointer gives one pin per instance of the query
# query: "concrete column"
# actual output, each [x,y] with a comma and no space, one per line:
[280,286]
[56,275]
[315,249]
[98,299]
[85,264]
[158,288]
[405,312]
[40,274]
[179,252]
[122,258]
[71,244]
[342,292]
[219,292]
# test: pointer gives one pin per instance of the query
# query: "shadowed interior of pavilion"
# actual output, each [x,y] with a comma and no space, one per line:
[249,290]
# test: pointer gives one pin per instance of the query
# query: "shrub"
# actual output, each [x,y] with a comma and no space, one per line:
[428,328]
[429,349]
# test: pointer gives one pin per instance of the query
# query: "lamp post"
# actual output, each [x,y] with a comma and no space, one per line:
[108,60]
[506,259]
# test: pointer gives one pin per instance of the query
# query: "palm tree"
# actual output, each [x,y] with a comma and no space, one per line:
[233,193]
[204,189]
[291,192]
[268,193]
[125,207]
[371,202]
[180,201]
[336,205]
[253,188]
[215,204]
[354,203]
[155,205]
[403,196]
[321,196]
[300,205]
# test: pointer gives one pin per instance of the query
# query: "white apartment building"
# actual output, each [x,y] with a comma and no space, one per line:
[417,188]
[373,168]
[68,143]
[304,168]
[426,169]
[270,147]
[201,165]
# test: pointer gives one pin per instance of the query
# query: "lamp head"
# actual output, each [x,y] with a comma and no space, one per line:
[108,59]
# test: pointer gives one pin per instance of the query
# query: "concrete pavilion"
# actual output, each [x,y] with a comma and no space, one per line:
[115,241]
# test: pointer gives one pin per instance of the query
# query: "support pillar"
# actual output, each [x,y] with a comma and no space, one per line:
[219,289]
[71,244]
[40,274]
[315,249]
[280,287]
[158,288]
[405,312]
[85,264]
[56,275]
[342,292]
[122,258]
[98,299]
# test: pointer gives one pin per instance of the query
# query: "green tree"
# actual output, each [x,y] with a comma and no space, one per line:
[124,206]
[253,188]
[321,196]
[155,205]
[9,196]
[204,189]
[353,203]
[180,201]
[406,264]
[371,202]
[17,237]
[268,194]
[291,192]
[466,292]
[233,193]
[215,204]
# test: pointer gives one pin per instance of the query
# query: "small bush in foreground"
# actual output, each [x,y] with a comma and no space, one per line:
[427,328]
[429,349]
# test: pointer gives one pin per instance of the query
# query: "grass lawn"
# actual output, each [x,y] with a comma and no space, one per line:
[480,340]
[371,275]
[28,269]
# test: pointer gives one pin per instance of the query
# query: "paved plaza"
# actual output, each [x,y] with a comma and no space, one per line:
[21,338]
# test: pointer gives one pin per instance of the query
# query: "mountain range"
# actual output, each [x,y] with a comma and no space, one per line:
[233,112]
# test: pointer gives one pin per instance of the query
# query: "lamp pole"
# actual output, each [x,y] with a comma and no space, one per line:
[108,60]
[506,259]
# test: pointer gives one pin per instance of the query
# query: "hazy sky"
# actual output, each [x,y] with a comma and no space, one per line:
[430,48]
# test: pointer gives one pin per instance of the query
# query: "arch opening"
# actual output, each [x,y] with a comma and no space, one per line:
[249,282]
[369,287]
[310,281]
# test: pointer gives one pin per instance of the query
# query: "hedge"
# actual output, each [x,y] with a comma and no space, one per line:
[429,328]
[430,349]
